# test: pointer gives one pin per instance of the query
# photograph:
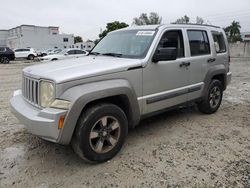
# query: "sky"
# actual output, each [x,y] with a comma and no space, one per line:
[88,17]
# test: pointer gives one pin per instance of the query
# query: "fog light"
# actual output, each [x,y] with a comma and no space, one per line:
[60,122]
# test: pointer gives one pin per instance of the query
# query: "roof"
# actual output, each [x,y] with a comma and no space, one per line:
[153,27]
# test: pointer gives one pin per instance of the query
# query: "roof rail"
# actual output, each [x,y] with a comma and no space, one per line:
[196,24]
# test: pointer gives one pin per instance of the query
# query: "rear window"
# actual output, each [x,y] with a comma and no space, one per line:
[199,43]
[219,42]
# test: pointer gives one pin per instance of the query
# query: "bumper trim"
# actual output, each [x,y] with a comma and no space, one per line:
[40,122]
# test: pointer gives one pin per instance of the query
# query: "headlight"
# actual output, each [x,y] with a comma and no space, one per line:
[47,93]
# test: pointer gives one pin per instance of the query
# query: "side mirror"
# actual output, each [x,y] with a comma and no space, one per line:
[66,54]
[165,54]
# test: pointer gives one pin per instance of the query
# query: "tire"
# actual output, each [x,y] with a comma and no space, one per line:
[4,60]
[31,57]
[213,98]
[54,59]
[95,142]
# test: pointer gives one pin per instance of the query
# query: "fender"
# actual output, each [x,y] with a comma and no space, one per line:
[81,95]
[213,71]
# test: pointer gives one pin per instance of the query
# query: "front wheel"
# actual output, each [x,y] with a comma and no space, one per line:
[100,133]
[213,98]
[31,57]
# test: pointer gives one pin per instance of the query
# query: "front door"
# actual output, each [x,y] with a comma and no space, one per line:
[165,82]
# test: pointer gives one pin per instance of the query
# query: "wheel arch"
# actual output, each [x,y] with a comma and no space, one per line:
[217,72]
[118,92]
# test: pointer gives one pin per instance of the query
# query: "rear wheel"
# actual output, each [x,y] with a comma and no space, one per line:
[4,60]
[100,133]
[213,98]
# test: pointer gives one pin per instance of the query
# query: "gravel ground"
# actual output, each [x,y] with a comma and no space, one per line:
[181,148]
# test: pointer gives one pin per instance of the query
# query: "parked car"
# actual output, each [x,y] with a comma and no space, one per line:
[6,55]
[65,54]
[131,74]
[27,53]
[42,53]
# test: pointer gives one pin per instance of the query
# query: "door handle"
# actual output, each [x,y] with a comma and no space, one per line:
[185,64]
[211,60]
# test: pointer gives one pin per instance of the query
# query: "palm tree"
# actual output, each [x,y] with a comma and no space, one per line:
[233,31]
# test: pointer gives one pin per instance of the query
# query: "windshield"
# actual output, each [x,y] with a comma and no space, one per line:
[128,44]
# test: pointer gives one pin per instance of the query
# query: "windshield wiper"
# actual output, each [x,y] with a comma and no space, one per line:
[94,53]
[113,54]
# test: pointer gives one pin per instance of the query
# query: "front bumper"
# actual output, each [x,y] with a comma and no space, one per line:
[229,77]
[40,122]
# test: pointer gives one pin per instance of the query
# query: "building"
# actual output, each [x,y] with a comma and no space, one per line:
[87,45]
[36,37]
[245,36]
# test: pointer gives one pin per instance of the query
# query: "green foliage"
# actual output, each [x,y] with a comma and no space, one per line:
[186,20]
[144,19]
[233,32]
[77,39]
[183,20]
[199,20]
[112,27]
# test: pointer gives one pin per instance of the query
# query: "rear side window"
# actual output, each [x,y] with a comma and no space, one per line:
[199,43]
[219,42]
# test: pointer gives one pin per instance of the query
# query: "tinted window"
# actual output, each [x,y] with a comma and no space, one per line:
[2,49]
[173,39]
[80,52]
[219,42]
[25,50]
[198,41]
[71,52]
[18,50]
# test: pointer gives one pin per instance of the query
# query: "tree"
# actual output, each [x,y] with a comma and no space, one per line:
[112,27]
[199,20]
[183,20]
[77,39]
[233,31]
[144,19]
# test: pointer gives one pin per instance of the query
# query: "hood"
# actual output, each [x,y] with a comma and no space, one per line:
[79,68]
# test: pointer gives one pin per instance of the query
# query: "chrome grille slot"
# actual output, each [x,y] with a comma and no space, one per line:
[30,90]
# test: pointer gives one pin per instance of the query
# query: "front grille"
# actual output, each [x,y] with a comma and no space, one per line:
[30,90]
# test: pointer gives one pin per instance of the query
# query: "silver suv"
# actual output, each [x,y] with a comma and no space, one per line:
[132,73]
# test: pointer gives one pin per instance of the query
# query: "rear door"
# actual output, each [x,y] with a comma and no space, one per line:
[200,58]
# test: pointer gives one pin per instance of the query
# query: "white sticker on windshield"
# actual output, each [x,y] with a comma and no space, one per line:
[145,33]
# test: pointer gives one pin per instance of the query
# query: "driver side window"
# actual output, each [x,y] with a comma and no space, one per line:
[173,39]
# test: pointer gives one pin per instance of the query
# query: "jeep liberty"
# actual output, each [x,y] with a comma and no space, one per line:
[91,102]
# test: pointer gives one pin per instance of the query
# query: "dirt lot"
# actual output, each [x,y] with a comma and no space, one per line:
[181,148]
